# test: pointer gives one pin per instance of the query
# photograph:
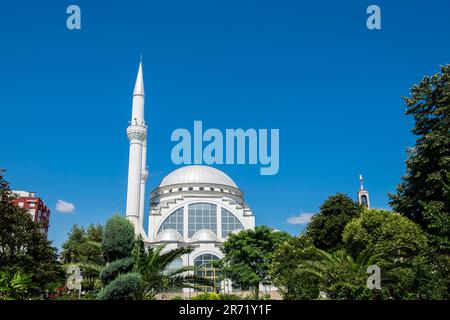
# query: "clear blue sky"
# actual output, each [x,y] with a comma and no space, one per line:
[310,68]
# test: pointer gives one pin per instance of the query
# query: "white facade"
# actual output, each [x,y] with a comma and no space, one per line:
[196,206]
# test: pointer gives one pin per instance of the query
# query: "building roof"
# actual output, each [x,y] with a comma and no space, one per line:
[169,235]
[204,235]
[197,174]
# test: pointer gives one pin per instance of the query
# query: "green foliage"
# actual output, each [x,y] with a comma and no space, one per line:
[206,296]
[83,248]
[117,249]
[113,269]
[424,192]
[125,287]
[339,275]
[419,279]
[404,256]
[23,247]
[386,233]
[248,256]
[14,285]
[118,238]
[294,285]
[157,273]
[326,227]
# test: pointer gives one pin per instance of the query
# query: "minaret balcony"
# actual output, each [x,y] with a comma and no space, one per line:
[137,133]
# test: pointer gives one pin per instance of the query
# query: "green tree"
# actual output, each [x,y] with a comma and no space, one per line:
[326,227]
[23,247]
[404,255]
[424,192]
[294,285]
[248,255]
[340,276]
[389,234]
[83,248]
[117,248]
[156,266]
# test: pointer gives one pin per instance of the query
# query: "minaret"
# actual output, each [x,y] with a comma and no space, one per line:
[363,195]
[137,171]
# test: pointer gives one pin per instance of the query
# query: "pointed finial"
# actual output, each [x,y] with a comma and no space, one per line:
[139,85]
[140,58]
[361,182]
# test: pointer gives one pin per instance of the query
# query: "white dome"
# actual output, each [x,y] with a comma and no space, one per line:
[169,235]
[197,174]
[204,235]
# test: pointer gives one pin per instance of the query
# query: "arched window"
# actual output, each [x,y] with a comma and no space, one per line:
[364,201]
[208,270]
[174,265]
[229,223]
[173,221]
[202,216]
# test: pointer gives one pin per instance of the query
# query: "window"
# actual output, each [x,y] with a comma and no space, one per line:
[173,221]
[208,270]
[364,201]
[229,223]
[202,216]
[174,265]
[20,204]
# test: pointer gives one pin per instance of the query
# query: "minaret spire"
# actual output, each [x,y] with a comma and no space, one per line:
[139,85]
[137,172]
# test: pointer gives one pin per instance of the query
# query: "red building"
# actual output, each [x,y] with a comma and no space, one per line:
[35,206]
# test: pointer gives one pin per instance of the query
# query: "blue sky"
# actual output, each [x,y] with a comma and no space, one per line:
[310,68]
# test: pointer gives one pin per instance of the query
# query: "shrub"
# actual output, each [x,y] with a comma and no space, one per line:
[118,239]
[112,270]
[124,287]
[207,296]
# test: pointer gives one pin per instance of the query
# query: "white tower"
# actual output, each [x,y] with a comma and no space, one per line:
[137,170]
[363,194]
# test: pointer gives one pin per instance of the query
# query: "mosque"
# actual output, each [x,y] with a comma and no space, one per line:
[196,206]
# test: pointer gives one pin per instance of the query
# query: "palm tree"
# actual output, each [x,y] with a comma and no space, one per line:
[339,269]
[159,274]
[327,261]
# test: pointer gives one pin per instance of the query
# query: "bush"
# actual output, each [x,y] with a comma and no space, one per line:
[124,287]
[206,296]
[112,270]
[228,296]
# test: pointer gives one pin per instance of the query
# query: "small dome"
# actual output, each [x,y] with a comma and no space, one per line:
[197,174]
[169,235]
[204,235]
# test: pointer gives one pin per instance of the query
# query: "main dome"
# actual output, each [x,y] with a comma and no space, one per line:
[197,174]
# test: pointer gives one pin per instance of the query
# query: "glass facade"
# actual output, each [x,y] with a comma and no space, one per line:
[202,216]
[229,223]
[208,270]
[173,221]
